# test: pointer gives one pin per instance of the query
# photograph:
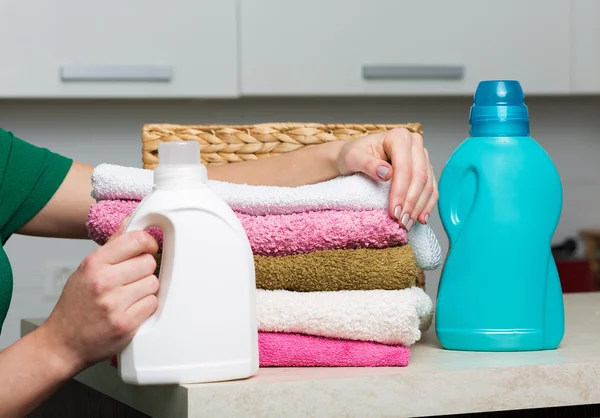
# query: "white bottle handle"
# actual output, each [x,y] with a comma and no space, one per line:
[140,221]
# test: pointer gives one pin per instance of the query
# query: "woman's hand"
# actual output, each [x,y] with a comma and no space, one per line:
[398,155]
[106,299]
[102,305]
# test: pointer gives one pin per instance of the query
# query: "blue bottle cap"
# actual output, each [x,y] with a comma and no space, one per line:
[499,109]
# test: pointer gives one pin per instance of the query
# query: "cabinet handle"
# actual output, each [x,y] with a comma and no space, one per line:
[412,72]
[116,73]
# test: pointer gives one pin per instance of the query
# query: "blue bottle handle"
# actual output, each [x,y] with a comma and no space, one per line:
[463,183]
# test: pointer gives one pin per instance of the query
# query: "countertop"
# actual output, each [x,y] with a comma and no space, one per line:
[436,382]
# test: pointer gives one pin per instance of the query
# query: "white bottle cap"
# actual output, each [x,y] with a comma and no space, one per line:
[179,153]
[179,165]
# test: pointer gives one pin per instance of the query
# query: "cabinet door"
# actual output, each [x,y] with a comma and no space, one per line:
[114,48]
[585,20]
[364,47]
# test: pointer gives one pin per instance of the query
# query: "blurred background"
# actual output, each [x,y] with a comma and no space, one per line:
[82,78]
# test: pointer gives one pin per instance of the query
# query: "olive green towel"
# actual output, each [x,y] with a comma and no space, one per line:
[391,268]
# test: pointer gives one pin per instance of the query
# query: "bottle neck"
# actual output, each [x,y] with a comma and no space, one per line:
[180,176]
[499,128]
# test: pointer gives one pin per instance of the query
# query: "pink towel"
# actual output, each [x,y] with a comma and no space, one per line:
[279,235]
[298,350]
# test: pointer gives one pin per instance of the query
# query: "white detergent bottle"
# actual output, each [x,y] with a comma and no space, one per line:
[205,327]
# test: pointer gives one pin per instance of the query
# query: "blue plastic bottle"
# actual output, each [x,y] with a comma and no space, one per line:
[500,202]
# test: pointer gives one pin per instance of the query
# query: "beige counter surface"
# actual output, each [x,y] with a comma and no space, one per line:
[436,382]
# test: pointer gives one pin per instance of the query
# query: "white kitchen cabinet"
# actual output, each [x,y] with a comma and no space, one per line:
[402,47]
[118,49]
[585,56]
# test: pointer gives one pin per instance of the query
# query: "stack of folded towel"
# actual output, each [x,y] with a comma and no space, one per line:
[335,274]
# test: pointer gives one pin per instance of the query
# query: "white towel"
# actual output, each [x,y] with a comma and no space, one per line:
[115,182]
[355,192]
[425,247]
[385,316]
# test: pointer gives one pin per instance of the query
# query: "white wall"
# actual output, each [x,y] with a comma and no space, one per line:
[96,132]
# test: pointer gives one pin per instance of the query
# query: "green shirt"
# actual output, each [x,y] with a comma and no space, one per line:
[29,177]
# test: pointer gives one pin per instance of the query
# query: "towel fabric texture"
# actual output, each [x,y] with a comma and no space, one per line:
[347,193]
[355,192]
[425,247]
[333,270]
[297,350]
[390,268]
[394,317]
[278,235]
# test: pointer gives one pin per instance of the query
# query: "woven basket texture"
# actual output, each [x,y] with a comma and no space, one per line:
[223,144]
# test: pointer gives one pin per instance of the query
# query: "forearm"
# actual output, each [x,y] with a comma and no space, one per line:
[307,165]
[65,215]
[31,371]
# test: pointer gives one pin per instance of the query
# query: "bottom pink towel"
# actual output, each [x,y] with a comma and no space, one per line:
[298,350]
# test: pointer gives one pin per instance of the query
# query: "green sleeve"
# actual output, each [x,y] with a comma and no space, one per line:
[29,177]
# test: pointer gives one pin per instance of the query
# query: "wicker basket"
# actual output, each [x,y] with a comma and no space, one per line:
[223,144]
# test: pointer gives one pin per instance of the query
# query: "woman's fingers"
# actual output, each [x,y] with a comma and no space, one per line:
[432,200]
[138,290]
[373,167]
[133,269]
[141,310]
[360,156]
[417,182]
[413,192]
[397,146]
[398,155]
[419,213]
[127,246]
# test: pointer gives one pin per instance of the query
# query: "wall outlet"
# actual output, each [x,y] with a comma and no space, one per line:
[57,274]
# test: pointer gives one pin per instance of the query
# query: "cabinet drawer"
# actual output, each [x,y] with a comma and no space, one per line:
[585,21]
[367,47]
[113,49]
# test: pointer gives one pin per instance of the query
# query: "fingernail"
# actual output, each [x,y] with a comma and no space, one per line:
[426,218]
[410,224]
[405,220]
[382,171]
[398,211]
